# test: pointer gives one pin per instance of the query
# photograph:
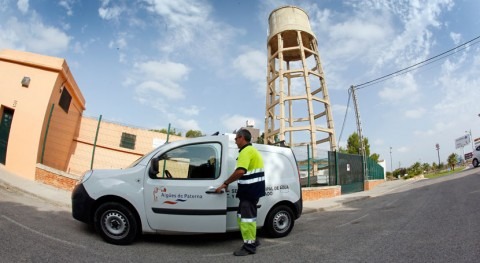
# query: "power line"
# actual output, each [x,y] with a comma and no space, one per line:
[344,119]
[417,65]
[404,71]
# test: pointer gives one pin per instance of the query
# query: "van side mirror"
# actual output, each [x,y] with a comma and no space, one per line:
[153,170]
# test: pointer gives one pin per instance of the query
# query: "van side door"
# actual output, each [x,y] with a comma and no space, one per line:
[179,190]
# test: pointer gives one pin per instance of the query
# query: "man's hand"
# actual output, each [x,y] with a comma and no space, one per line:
[223,186]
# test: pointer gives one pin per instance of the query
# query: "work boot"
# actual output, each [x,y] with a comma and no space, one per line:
[242,252]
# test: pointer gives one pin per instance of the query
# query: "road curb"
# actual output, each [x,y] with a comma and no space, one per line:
[21,190]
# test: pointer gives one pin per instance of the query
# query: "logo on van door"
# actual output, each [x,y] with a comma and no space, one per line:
[161,192]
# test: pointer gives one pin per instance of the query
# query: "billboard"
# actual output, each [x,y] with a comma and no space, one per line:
[462,141]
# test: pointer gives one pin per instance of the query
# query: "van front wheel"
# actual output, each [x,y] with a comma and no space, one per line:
[279,221]
[116,223]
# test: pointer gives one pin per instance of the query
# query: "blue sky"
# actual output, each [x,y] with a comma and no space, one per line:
[202,64]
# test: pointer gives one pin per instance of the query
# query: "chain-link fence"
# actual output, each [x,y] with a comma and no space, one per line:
[313,165]
[100,144]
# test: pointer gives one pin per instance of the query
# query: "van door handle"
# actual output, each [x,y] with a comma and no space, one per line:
[212,189]
[213,192]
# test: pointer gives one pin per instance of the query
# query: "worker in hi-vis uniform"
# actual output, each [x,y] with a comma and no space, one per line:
[250,174]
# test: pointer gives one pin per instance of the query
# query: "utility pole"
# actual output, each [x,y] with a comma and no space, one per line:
[359,131]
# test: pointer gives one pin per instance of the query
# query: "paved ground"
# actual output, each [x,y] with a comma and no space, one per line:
[62,197]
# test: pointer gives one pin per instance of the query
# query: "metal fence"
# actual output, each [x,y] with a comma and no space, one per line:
[335,168]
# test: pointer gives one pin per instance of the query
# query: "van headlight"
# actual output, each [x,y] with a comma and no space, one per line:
[85,177]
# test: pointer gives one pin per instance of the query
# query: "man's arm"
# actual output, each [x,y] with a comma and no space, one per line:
[237,174]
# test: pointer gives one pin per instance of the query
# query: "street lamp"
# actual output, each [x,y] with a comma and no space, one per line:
[391,160]
[438,151]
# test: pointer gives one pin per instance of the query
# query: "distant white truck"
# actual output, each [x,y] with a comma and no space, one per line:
[476,156]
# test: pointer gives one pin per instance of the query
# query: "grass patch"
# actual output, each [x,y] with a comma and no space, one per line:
[443,173]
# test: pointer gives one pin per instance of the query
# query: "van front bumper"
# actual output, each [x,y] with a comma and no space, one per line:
[82,204]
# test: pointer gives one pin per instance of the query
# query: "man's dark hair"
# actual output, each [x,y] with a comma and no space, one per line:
[245,134]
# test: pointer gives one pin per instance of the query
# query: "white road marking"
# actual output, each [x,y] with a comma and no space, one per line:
[348,223]
[42,234]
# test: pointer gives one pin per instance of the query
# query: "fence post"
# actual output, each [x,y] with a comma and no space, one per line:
[46,133]
[95,142]
[308,165]
[168,132]
[336,169]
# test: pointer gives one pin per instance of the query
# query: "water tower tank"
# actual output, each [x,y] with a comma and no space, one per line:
[288,20]
[298,109]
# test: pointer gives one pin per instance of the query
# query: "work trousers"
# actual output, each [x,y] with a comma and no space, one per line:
[247,220]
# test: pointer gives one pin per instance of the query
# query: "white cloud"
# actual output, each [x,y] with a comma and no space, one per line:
[67,4]
[23,6]
[107,12]
[235,122]
[252,65]
[189,24]
[191,111]
[415,113]
[456,38]
[400,90]
[187,124]
[33,36]
[157,83]
[379,142]
[403,149]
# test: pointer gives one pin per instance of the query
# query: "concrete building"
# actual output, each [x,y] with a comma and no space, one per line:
[33,89]
[41,122]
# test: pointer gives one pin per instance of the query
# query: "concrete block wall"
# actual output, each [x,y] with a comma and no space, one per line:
[316,193]
[55,178]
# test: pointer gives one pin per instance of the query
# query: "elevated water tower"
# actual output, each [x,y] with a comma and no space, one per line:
[298,109]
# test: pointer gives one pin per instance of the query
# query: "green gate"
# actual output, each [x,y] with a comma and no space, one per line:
[346,170]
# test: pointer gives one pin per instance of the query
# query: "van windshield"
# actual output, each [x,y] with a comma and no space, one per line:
[143,157]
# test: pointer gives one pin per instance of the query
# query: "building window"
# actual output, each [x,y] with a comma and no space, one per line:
[65,100]
[128,140]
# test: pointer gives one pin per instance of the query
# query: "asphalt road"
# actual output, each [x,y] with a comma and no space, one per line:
[434,220]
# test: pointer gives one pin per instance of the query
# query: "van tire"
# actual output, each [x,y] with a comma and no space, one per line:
[116,223]
[279,221]
[475,163]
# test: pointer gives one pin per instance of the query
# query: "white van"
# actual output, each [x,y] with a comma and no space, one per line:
[172,190]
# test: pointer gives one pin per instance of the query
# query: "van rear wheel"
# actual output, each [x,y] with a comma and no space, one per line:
[475,163]
[279,221]
[116,223]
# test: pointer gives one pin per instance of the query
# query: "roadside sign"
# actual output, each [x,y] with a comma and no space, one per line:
[462,141]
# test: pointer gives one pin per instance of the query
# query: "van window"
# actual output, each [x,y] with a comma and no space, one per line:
[196,161]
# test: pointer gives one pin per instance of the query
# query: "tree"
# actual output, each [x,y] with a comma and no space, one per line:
[375,157]
[172,131]
[260,139]
[426,167]
[193,134]
[353,144]
[353,147]
[452,160]
[415,169]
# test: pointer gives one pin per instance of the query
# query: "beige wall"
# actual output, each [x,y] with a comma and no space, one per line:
[108,153]
[32,105]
